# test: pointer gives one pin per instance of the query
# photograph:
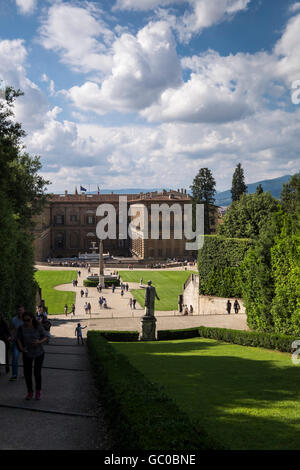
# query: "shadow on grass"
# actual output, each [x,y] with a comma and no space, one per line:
[246,398]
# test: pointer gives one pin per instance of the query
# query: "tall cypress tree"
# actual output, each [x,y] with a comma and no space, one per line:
[203,192]
[238,183]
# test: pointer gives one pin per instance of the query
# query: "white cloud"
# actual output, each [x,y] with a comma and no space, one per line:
[79,35]
[199,14]
[287,50]
[26,6]
[294,7]
[30,109]
[143,66]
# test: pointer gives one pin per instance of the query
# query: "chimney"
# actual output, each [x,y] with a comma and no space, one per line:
[66,193]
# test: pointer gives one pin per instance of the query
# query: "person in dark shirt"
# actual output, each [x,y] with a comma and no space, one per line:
[30,338]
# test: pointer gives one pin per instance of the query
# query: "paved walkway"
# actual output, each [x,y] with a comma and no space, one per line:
[68,417]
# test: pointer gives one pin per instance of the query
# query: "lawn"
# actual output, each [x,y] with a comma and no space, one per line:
[55,300]
[168,286]
[246,398]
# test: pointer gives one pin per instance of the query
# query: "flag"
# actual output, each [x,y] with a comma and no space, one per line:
[98,190]
[82,188]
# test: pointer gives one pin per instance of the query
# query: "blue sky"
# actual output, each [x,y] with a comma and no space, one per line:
[143,93]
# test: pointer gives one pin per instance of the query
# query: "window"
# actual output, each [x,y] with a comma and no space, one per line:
[90,220]
[60,240]
[73,218]
[59,219]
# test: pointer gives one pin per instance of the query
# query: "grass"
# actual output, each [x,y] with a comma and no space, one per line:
[55,300]
[168,286]
[246,398]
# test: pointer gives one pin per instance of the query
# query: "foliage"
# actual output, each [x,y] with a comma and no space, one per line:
[203,192]
[278,342]
[270,277]
[285,269]
[218,264]
[21,197]
[117,336]
[164,335]
[246,217]
[238,183]
[141,415]
[290,194]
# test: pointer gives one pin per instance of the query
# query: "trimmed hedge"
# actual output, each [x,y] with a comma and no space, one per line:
[88,283]
[275,341]
[107,282]
[218,265]
[140,414]
[120,336]
[278,342]
[165,335]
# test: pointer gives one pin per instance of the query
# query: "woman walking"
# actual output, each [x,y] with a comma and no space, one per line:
[31,337]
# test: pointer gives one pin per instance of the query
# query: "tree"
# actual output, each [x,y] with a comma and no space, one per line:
[203,192]
[22,195]
[290,194]
[246,217]
[238,183]
[259,189]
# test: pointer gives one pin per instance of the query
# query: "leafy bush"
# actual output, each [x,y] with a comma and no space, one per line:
[141,415]
[218,264]
[285,268]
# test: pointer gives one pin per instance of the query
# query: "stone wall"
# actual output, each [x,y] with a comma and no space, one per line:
[204,304]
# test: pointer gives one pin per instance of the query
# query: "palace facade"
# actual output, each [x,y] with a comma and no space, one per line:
[67,226]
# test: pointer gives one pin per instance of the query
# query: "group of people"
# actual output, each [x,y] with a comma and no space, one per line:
[26,334]
[66,308]
[88,308]
[102,302]
[187,310]
[132,303]
[236,307]
[86,292]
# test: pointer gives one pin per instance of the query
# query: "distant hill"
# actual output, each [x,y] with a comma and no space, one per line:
[274,186]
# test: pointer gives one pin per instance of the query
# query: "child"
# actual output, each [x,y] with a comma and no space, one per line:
[78,332]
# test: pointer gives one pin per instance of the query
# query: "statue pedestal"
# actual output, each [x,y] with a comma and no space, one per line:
[148,328]
[101,281]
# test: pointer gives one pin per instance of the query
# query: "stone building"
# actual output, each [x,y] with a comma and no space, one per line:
[68,224]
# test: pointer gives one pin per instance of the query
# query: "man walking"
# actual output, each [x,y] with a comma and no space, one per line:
[16,322]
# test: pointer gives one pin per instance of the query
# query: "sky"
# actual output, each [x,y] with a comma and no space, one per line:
[144,93]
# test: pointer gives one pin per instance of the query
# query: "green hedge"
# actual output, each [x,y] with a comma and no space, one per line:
[107,282]
[120,336]
[140,414]
[165,335]
[218,265]
[244,338]
[249,338]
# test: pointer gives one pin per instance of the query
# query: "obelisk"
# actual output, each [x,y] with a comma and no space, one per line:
[101,265]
